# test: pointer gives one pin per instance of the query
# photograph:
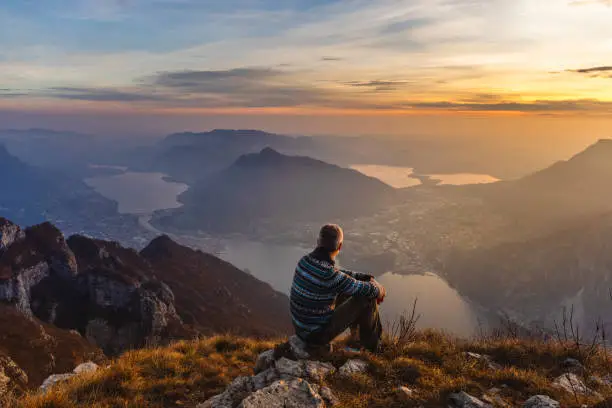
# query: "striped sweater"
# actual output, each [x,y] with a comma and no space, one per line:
[316,283]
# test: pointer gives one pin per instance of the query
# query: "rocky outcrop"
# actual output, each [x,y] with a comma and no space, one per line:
[282,379]
[104,291]
[541,401]
[465,400]
[84,368]
[353,367]
[571,383]
[213,295]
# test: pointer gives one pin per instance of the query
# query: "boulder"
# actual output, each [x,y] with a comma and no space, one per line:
[465,400]
[571,383]
[289,368]
[353,367]
[296,393]
[232,396]
[541,401]
[317,371]
[313,370]
[264,361]
[265,378]
[88,367]
[299,348]
[54,379]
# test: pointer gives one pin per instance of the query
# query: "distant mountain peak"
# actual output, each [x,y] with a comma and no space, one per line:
[268,151]
[271,157]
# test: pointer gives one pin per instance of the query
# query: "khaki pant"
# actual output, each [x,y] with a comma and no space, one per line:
[352,312]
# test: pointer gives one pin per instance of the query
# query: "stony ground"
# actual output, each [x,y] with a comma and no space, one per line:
[430,370]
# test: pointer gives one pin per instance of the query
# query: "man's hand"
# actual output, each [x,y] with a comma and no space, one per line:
[382,292]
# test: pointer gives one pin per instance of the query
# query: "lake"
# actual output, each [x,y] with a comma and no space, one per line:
[398,177]
[138,193]
[401,177]
[440,306]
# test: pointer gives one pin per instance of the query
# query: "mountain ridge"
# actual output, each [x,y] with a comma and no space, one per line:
[268,186]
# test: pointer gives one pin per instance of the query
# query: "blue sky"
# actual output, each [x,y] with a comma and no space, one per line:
[400,56]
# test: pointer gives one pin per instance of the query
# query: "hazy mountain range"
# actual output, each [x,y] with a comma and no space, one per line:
[551,223]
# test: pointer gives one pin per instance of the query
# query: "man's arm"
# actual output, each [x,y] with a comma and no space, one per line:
[360,276]
[348,285]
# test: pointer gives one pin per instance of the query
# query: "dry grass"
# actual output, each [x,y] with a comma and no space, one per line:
[432,364]
[183,374]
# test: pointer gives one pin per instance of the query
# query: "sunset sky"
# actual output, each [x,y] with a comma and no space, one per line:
[369,66]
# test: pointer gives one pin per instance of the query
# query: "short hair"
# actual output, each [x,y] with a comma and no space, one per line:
[330,237]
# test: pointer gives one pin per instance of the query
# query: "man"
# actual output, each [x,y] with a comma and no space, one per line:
[318,313]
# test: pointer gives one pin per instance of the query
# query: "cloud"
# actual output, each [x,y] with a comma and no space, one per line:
[207,79]
[99,95]
[594,72]
[541,106]
[378,85]
[331,59]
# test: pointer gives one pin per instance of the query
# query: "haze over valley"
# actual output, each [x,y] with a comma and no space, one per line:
[259,207]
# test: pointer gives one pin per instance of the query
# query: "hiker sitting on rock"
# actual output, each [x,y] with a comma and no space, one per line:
[327,300]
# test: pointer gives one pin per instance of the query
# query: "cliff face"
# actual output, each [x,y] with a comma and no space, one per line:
[213,295]
[119,299]
[100,289]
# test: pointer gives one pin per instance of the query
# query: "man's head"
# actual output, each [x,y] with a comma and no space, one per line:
[330,239]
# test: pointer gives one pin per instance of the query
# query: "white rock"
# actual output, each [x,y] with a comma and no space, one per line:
[296,393]
[571,383]
[299,348]
[317,371]
[353,367]
[54,379]
[265,378]
[264,361]
[465,400]
[88,367]
[289,368]
[233,394]
[541,401]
